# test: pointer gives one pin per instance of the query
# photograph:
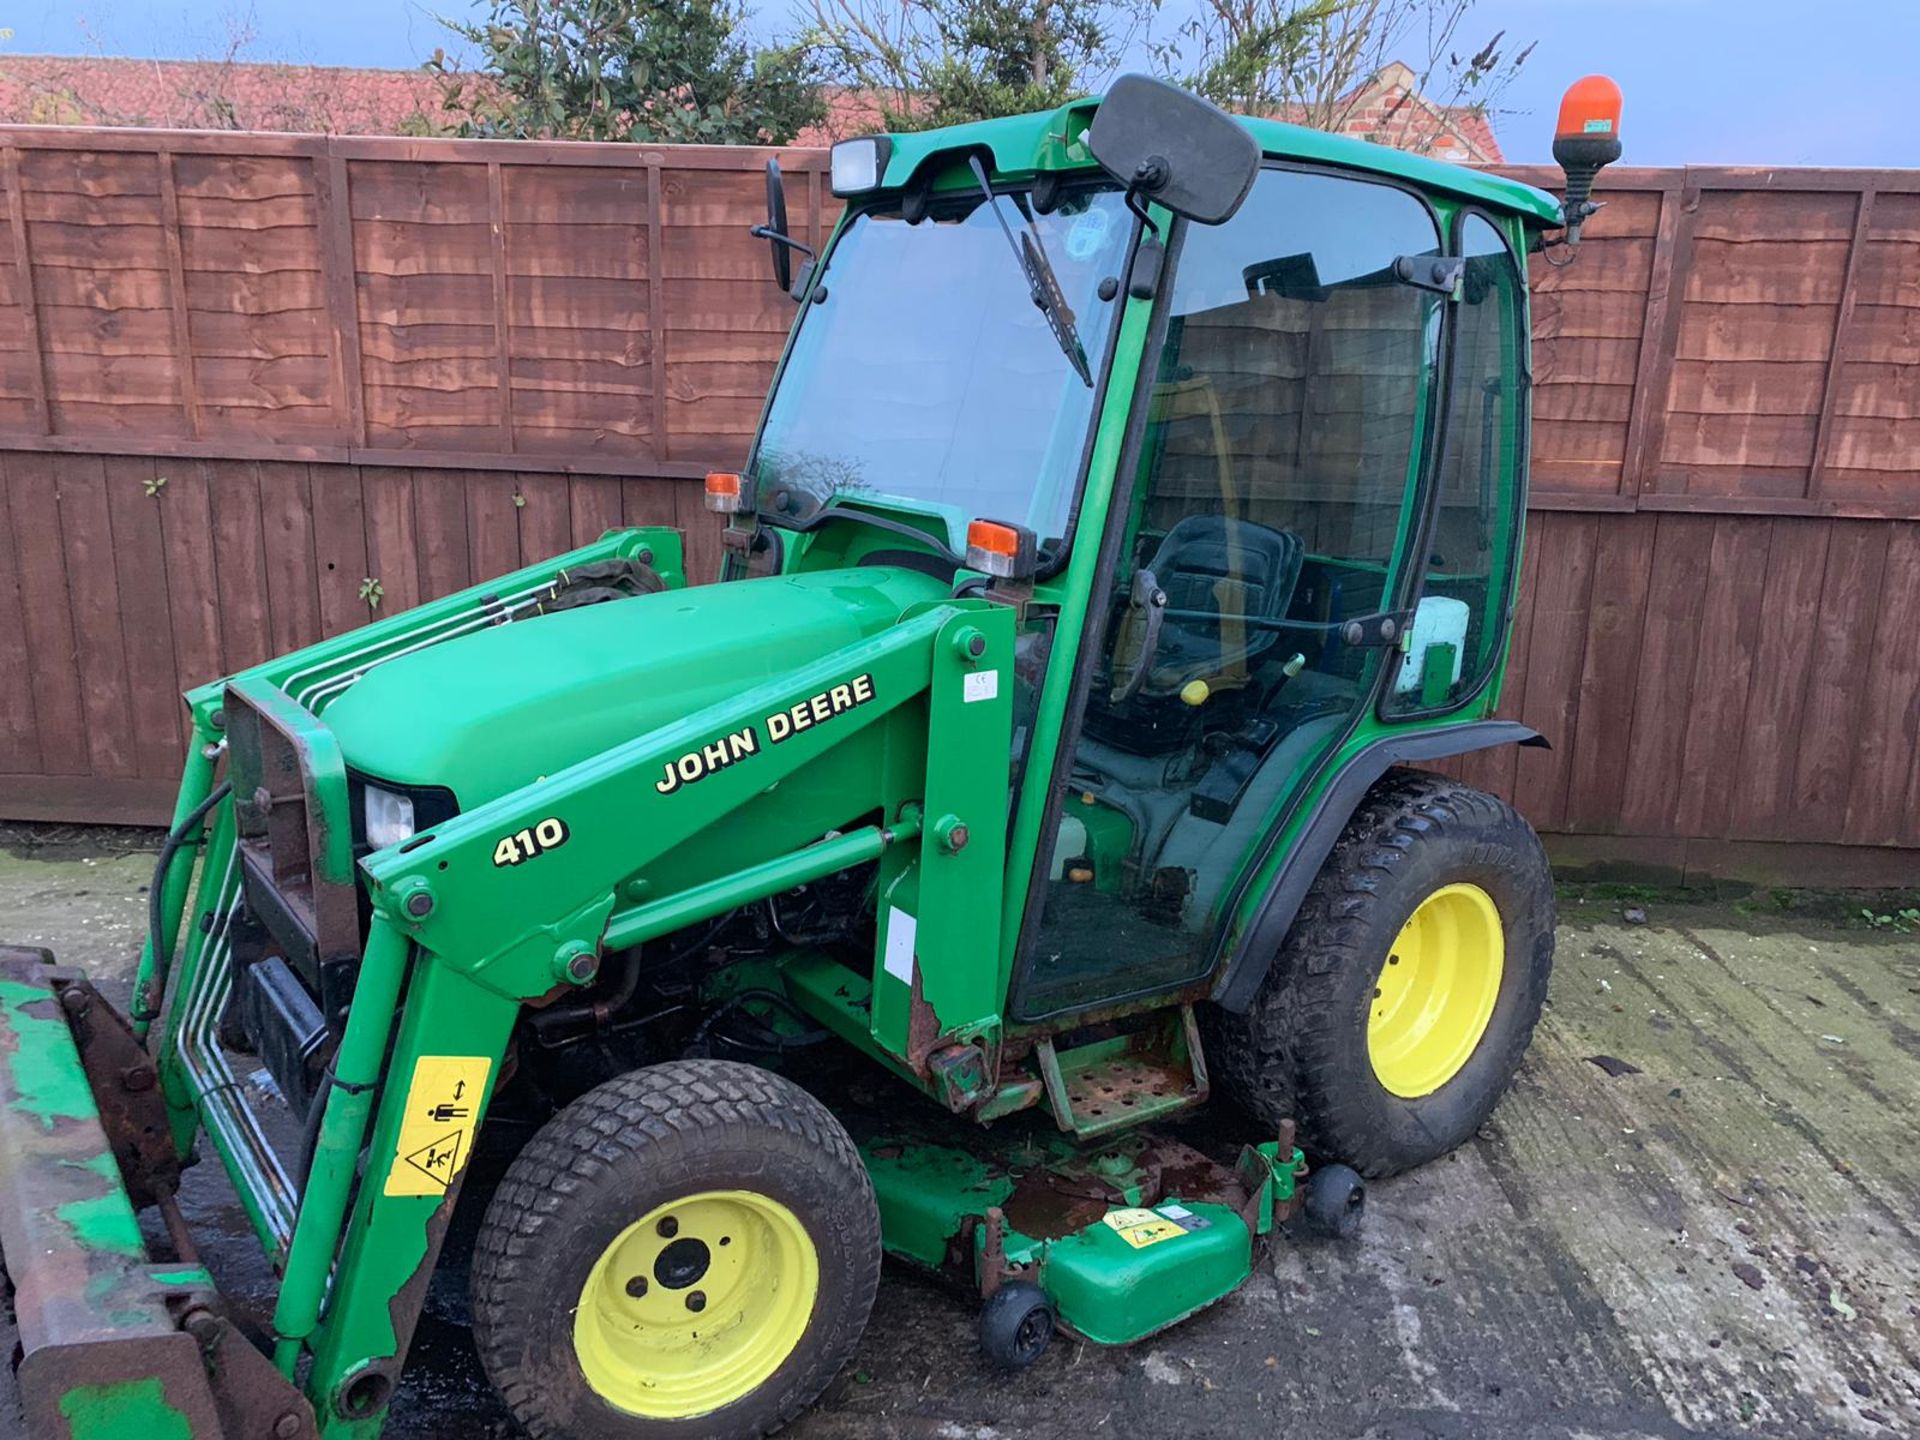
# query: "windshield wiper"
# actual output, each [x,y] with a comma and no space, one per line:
[1043,284]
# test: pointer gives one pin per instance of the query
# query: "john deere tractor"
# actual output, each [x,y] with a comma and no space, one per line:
[1138,499]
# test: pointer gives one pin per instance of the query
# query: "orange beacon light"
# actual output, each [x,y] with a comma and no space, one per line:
[1585,139]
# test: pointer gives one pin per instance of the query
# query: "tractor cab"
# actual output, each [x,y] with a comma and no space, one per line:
[1243,442]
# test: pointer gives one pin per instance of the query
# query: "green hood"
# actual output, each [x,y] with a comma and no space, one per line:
[497,709]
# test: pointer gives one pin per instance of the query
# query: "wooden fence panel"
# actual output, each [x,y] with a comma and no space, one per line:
[579,296]
[102,284]
[427,305]
[1876,414]
[251,298]
[725,323]
[23,396]
[1727,677]
[1883,796]
[258,389]
[1589,320]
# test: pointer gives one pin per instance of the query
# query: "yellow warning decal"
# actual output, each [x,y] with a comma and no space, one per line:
[436,1131]
[1141,1228]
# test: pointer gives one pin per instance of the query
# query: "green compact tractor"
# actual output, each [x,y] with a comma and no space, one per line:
[1140,494]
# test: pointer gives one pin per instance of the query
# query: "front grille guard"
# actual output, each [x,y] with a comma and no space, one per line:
[199,1075]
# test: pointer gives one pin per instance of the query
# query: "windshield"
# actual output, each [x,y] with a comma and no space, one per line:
[928,374]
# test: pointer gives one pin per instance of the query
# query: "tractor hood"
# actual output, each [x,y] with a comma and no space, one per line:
[492,711]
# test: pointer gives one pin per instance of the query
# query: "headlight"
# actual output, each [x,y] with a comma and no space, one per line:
[389,817]
[859,165]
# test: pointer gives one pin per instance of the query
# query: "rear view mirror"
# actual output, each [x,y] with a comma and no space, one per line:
[1174,148]
[774,232]
[777,223]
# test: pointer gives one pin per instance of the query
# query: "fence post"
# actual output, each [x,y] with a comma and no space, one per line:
[1837,354]
[177,288]
[656,309]
[1659,335]
[23,272]
[334,209]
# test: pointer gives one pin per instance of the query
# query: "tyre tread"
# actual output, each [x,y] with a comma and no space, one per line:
[1280,1058]
[659,1106]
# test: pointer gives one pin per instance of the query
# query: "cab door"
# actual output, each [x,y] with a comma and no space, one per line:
[1272,502]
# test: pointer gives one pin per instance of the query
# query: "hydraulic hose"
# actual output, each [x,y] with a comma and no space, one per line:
[778,1044]
[149,1009]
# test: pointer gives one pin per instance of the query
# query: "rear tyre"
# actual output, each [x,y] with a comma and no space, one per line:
[1402,999]
[688,1250]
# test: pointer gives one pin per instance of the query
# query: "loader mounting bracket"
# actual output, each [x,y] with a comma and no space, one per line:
[110,1342]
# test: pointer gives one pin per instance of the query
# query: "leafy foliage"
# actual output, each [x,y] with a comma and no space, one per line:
[668,71]
[1310,60]
[1904,921]
[928,63]
[683,70]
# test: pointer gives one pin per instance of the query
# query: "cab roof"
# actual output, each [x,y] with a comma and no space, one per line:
[1051,140]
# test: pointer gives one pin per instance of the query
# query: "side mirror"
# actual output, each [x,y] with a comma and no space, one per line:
[1586,139]
[1174,148]
[777,223]
[774,232]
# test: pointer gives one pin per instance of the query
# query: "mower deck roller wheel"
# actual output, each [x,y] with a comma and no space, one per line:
[1016,1324]
[690,1249]
[1407,989]
[1335,1199]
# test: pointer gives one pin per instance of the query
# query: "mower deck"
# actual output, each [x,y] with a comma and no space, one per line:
[1125,1236]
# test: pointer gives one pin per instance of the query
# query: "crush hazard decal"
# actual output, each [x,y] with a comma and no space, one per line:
[1141,1228]
[696,765]
[436,1131]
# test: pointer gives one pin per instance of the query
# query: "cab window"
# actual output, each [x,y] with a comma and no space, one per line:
[1283,440]
[1457,630]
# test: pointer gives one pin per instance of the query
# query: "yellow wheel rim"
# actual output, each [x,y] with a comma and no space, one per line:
[1437,991]
[696,1304]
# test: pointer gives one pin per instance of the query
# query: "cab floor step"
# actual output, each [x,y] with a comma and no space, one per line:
[1126,1080]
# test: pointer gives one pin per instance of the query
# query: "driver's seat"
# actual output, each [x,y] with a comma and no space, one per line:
[1236,572]
[1225,573]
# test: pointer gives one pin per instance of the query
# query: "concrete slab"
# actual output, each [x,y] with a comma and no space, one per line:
[1723,1239]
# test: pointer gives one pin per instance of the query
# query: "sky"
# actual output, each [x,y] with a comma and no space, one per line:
[1728,82]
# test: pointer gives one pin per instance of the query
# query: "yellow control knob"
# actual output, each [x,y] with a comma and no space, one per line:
[1195,692]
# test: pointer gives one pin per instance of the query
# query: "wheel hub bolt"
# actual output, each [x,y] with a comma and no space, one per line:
[668,1228]
[637,1286]
[696,1301]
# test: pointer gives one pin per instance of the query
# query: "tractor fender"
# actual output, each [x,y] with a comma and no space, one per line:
[1239,979]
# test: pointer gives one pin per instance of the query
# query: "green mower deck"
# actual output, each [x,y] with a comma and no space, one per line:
[1124,1240]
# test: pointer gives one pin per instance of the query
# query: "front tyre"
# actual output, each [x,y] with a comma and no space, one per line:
[688,1250]
[1403,997]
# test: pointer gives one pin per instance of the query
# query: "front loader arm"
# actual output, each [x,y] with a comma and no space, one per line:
[518,897]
